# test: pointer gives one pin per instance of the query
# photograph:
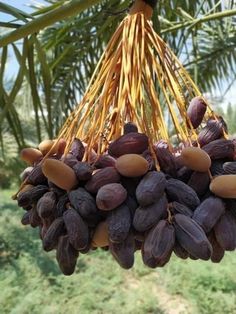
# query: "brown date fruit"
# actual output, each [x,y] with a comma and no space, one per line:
[25,220]
[166,160]
[25,188]
[182,193]
[151,188]
[220,149]
[148,258]
[83,202]
[180,251]
[100,237]
[130,143]
[83,171]
[86,249]
[217,167]
[47,222]
[102,177]
[66,256]
[53,233]
[231,206]
[77,149]
[123,252]
[119,223]
[225,231]
[218,252]
[77,230]
[53,188]
[184,174]
[208,213]
[43,230]
[177,208]
[148,156]
[146,217]
[61,205]
[199,182]
[34,218]
[192,237]
[70,160]
[61,146]
[147,247]
[139,236]
[92,155]
[46,205]
[25,173]
[213,130]
[31,196]
[196,111]
[164,242]
[104,161]
[110,196]
[230,167]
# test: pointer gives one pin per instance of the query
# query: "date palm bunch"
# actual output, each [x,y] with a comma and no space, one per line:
[138,79]
[89,199]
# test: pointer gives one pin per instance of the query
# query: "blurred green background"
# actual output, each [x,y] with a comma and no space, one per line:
[43,74]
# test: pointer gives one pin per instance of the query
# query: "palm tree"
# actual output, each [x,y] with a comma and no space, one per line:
[59,44]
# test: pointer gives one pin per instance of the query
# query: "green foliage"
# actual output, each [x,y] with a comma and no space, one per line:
[231,118]
[31,282]
[212,288]
[10,171]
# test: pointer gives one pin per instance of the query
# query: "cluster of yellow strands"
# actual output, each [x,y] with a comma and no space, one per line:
[138,79]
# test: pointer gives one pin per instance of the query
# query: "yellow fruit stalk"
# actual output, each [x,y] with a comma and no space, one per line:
[137,79]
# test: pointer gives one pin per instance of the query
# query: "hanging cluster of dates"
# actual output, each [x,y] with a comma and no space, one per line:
[160,199]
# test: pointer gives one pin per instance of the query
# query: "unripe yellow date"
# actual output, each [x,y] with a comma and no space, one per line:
[196,159]
[224,186]
[131,165]
[30,155]
[60,174]
[100,237]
